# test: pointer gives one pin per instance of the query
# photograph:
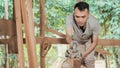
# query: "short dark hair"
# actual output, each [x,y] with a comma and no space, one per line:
[82,6]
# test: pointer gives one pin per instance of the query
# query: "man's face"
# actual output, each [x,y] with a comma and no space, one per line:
[81,16]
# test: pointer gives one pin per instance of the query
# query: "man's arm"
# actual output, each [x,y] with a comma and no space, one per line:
[91,48]
[69,36]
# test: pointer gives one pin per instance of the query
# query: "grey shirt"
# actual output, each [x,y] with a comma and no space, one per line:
[92,28]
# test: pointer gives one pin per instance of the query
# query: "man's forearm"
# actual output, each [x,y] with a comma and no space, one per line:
[89,50]
[68,39]
[92,46]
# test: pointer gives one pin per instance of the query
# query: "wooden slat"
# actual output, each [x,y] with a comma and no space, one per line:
[101,51]
[42,18]
[19,32]
[109,42]
[52,40]
[51,30]
[29,32]
[4,41]
[55,32]
[6,45]
[42,33]
[103,42]
[7,27]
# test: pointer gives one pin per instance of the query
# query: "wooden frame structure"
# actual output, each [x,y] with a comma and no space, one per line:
[23,13]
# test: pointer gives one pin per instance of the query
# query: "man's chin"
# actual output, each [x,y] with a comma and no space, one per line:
[81,25]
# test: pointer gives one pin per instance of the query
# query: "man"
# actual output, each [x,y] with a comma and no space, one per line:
[85,29]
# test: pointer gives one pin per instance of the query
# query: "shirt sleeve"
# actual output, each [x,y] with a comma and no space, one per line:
[68,22]
[96,28]
[69,26]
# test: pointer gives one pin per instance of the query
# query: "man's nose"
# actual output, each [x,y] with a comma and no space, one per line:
[80,19]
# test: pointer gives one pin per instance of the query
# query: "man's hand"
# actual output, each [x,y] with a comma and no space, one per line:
[71,45]
[91,48]
[83,56]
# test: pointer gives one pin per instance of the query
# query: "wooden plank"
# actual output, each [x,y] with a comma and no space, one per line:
[101,51]
[109,42]
[51,30]
[42,18]
[19,32]
[8,30]
[42,33]
[7,27]
[52,40]
[6,45]
[55,32]
[4,41]
[56,40]
[103,42]
[29,32]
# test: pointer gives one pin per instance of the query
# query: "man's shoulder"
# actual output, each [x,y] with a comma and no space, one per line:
[70,16]
[69,20]
[92,18]
[94,25]
[93,21]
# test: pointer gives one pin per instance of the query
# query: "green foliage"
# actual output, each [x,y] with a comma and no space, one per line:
[10,9]
[1,8]
[2,55]
[56,12]
[108,13]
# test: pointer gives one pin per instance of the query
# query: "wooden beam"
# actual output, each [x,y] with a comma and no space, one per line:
[56,40]
[109,42]
[19,32]
[42,18]
[52,40]
[54,32]
[7,27]
[42,33]
[51,30]
[6,45]
[27,17]
[101,51]
[103,42]
[4,41]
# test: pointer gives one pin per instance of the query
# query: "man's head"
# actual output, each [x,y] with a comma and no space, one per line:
[81,13]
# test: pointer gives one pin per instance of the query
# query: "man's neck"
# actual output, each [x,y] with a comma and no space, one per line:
[83,28]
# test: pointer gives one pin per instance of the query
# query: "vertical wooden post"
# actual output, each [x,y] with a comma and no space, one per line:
[42,21]
[6,56]
[108,62]
[6,45]
[42,18]
[19,32]
[27,17]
